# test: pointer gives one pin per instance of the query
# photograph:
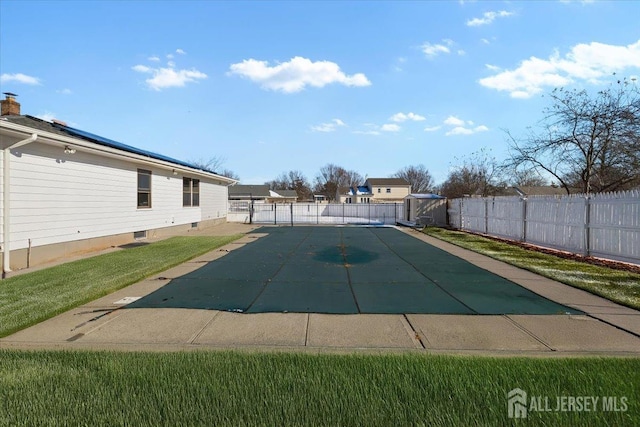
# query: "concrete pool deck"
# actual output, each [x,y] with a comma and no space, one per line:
[606,328]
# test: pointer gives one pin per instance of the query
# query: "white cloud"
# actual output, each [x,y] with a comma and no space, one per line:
[180,52]
[296,74]
[401,117]
[171,64]
[390,127]
[453,121]
[328,127]
[461,127]
[433,50]
[141,68]
[432,128]
[154,58]
[485,41]
[170,56]
[461,130]
[65,91]
[587,62]
[366,132]
[163,78]
[492,67]
[488,18]
[20,78]
[461,52]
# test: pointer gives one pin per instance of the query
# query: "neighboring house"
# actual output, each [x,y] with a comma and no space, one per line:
[320,198]
[360,194]
[257,193]
[375,190]
[283,196]
[68,191]
[261,194]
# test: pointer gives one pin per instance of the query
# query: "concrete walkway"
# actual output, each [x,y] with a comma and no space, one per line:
[607,329]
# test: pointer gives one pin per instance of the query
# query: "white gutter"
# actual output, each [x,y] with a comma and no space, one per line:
[6,201]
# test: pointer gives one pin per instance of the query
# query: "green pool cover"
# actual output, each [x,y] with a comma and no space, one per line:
[346,270]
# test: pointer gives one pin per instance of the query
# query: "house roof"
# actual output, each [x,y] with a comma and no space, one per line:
[255,191]
[388,181]
[361,189]
[68,131]
[425,196]
[345,191]
[287,193]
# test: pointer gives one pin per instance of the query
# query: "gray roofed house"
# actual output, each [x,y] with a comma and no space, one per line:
[249,192]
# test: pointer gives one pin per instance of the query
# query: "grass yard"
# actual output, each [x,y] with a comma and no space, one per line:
[33,297]
[619,286]
[230,388]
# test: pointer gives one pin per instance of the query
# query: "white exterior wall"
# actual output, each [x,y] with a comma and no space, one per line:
[58,197]
[213,200]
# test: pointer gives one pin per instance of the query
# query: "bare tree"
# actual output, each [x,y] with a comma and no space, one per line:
[587,140]
[331,177]
[214,164]
[525,178]
[229,174]
[477,175]
[418,176]
[292,180]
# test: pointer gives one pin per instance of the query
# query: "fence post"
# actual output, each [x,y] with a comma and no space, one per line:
[275,214]
[343,213]
[486,215]
[317,213]
[587,225]
[524,219]
[291,214]
[460,205]
[369,212]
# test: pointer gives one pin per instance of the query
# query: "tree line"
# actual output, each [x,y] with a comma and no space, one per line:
[585,142]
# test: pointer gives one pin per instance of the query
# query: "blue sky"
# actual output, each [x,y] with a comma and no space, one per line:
[278,86]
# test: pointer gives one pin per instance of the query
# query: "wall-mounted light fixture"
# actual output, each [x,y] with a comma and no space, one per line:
[69,150]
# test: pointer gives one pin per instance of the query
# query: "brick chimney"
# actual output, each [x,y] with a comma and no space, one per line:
[10,107]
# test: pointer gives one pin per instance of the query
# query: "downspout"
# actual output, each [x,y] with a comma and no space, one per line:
[6,202]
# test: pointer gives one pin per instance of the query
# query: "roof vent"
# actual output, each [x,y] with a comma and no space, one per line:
[9,106]
[58,122]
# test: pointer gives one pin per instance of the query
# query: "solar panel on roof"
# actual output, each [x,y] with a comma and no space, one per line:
[120,146]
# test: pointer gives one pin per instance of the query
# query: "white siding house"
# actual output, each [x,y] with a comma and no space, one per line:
[63,193]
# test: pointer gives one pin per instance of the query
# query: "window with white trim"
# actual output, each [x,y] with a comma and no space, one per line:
[190,192]
[144,189]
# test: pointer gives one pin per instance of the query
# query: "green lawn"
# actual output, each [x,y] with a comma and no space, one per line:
[227,388]
[616,285]
[33,297]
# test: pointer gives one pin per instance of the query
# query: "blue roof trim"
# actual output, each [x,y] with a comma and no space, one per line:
[124,147]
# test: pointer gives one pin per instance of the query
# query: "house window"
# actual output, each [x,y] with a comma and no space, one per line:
[379,190]
[144,189]
[348,200]
[388,190]
[190,192]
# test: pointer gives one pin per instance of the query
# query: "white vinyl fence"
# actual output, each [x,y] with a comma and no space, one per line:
[315,213]
[605,225]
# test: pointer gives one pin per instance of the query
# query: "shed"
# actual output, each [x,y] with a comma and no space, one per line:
[425,209]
